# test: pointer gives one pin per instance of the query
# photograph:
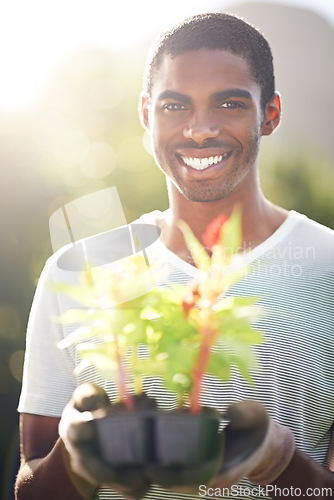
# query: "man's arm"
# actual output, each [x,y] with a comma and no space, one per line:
[306,474]
[275,464]
[70,467]
[45,471]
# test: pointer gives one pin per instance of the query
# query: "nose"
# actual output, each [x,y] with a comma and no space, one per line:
[200,128]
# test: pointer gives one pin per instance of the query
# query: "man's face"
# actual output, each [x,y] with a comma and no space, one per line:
[205,119]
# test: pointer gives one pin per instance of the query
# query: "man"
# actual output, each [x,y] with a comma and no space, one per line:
[209,96]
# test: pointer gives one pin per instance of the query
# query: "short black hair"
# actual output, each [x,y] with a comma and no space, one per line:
[216,31]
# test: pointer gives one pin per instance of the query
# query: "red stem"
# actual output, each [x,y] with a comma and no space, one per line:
[122,388]
[200,368]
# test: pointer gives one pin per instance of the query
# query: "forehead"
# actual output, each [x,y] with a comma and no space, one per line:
[204,71]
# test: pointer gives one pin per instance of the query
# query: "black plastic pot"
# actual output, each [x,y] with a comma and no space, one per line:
[181,438]
[143,437]
[124,438]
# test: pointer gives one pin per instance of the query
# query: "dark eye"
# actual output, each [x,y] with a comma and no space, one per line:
[232,105]
[174,106]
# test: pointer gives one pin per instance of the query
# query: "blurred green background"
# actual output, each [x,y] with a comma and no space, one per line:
[80,135]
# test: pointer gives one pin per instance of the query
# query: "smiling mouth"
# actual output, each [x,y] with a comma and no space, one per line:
[203,163]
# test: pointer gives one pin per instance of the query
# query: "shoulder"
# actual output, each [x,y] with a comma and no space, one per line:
[312,225]
[313,243]
[308,230]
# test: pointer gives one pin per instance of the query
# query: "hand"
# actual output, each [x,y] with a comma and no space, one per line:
[187,479]
[253,446]
[77,431]
[256,446]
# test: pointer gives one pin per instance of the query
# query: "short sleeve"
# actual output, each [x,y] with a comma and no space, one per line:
[48,379]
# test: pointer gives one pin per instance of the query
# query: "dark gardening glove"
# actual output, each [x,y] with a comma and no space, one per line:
[78,432]
[252,446]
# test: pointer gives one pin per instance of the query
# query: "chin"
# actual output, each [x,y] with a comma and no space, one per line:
[206,196]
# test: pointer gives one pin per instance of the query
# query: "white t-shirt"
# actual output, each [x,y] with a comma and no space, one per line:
[293,274]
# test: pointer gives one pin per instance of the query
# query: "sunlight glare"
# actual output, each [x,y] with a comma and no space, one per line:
[36,36]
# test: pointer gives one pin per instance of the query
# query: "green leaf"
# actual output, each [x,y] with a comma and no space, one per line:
[231,237]
[220,365]
[82,295]
[101,359]
[75,316]
[198,253]
[79,335]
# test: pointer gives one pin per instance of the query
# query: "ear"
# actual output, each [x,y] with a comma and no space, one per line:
[143,110]
[272,115]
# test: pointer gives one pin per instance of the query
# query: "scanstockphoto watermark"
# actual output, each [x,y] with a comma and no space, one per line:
[238,491]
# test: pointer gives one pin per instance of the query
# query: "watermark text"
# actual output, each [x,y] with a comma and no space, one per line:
[263,491]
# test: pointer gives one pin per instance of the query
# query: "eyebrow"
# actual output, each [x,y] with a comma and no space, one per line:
[234,92]
[217,96]
[171,94]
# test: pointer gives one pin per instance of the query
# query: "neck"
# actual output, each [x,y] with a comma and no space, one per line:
[260,218]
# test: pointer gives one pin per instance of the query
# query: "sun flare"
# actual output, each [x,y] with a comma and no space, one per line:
[36,36]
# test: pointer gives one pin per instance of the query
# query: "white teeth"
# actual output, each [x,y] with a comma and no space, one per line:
[202,163]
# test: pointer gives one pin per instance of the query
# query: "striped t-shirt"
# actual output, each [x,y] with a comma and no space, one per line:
[292,273]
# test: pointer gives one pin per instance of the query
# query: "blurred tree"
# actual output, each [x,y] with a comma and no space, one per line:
[299,179]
